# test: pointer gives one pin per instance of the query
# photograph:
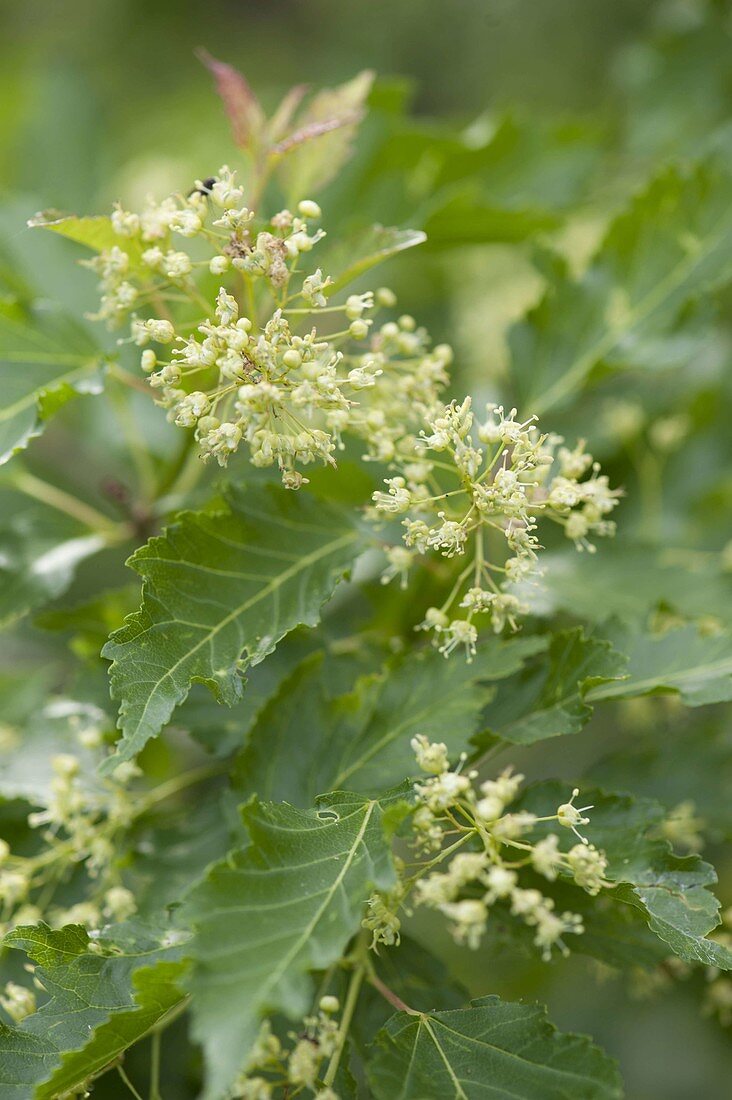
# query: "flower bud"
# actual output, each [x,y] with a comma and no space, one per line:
[191,408]
[292,359]
[65,765]
[354,307]
[90,738]
[119,903]
[309,209]
[434,617]
[161,331]
[177,265]
[218,265]
[207,424]
[152,257]
[489,808]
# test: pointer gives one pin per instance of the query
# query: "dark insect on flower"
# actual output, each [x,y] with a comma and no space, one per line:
[205,188]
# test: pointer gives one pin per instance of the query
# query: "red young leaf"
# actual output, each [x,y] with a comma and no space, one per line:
[242,106]
[315,129]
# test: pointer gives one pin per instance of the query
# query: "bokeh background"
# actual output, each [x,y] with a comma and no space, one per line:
[104,99]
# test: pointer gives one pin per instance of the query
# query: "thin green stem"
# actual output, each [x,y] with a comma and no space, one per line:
[176,784]
[251,306]
[136,444]
[155,1042]
[176,467]
[439,858]
[194,294]
[354,988]
[491,464]
[70,505]
[479,559]
[316,311]
[456,587]
[157,301]
[323,986]
[130,380]
[127,1081]
[389,995]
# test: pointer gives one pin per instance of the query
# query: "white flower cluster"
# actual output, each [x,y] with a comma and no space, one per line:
[501,846]
[271,1066]
[506,477]
[244,365]
[382,916]
[411,378]
[80,826]
[253,370]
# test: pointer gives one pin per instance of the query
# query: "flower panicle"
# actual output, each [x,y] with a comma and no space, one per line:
[504,842]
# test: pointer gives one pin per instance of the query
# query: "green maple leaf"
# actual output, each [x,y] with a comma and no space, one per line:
[698,667]
[98,1005]
[268,914]
[221,589]
[670,247]
[492,1048]
[46,358]
[305,742]
[550,696]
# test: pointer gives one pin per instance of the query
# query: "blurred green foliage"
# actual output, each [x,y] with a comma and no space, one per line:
[497,126]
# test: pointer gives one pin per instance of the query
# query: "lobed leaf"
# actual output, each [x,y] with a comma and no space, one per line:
[493,1048]
[372,246]
[696,666]
[223,730]
[311,155]
[95,231]
[241,104]
[628,581]
[220,591]
[271,912]
[45,360]
[99,1004]
[550,697]
[468,218]
[501,178]
[666,767]
[306,742]
[670,247]
[40,549]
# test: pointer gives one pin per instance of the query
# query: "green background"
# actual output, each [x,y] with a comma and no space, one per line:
[104,99]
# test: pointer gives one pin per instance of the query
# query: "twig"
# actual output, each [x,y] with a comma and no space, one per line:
[390,996]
